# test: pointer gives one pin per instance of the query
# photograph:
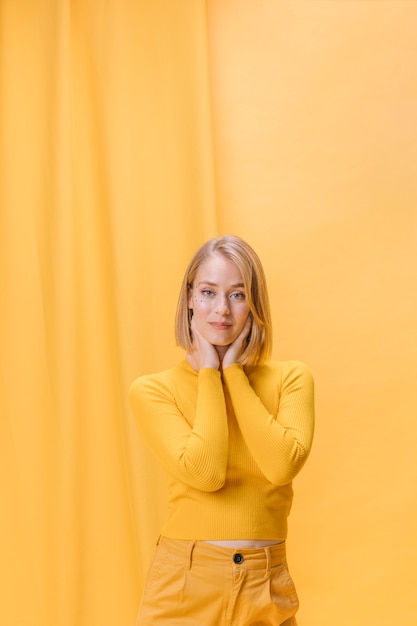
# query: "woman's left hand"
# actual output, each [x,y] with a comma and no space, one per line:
[237,348]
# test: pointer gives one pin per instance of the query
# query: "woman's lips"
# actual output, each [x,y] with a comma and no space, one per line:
[220,325]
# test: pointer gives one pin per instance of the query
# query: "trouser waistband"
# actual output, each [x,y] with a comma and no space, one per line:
[245,558]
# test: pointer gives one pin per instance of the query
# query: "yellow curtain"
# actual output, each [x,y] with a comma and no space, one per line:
[130,132]
[315,119]
[106,189]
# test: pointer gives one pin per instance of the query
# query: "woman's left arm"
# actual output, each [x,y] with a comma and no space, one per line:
[279,444]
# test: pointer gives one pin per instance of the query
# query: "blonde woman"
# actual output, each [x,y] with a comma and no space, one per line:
[231,429]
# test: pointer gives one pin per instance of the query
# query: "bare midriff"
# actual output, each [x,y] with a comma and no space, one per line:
[245,543]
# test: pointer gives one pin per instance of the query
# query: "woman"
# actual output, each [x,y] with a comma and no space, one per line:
[231,429]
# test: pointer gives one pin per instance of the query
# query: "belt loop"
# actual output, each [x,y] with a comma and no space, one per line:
[190,549]
[268,562]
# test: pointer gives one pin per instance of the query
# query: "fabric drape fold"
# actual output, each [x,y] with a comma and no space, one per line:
[106,174]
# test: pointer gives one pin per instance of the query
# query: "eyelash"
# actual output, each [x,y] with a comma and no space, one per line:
[236,295]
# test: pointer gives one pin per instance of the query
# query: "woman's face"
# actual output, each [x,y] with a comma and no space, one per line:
[218,301]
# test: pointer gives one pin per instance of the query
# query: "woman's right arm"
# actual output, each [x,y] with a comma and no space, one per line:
[195,454]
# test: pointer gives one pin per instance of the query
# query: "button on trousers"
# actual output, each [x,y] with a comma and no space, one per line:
[193,583]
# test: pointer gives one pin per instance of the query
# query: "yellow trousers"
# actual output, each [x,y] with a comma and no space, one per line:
[193,583]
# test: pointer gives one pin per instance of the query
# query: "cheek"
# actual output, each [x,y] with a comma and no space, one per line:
[200,305]
[241,318]
[241,311]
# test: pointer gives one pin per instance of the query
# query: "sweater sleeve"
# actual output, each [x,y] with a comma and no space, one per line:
[196,455]
[279,443]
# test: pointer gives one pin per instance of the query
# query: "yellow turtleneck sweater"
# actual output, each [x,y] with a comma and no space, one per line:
[230,444]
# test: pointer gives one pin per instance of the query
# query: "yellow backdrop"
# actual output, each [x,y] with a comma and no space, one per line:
[130,132]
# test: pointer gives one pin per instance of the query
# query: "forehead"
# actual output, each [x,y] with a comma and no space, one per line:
[218,268]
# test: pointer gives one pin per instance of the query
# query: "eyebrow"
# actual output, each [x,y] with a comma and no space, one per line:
[211,284]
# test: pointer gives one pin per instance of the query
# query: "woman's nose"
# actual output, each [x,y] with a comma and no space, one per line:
[222,305]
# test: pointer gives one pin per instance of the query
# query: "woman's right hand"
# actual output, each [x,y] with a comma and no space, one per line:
[203,354]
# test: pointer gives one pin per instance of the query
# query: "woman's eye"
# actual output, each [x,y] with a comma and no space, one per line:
[207,292]
[238,295]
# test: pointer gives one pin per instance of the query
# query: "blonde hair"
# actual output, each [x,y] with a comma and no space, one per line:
[237,250]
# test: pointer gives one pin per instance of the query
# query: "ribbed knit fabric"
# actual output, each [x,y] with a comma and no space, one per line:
[230,445]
